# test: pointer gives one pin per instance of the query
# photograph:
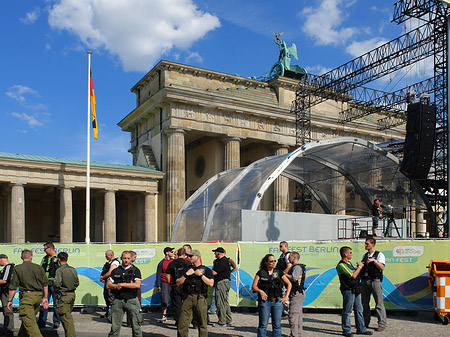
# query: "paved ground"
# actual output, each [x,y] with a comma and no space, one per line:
[316,323]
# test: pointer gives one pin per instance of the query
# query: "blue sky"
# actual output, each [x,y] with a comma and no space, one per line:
[43,64]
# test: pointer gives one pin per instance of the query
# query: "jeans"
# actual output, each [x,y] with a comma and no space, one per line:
[352,302]
[265,309]
[42,320]
[212,308]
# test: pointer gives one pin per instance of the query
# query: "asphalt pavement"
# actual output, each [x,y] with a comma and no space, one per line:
[316,323]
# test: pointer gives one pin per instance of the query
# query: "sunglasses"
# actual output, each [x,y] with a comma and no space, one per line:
[272,261]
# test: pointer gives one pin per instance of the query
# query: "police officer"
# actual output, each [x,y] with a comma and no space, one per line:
[33,287]
[124,283]
[196,280]
[296,275]
[371,278]
[174,271]
[5,279]
[110,264]
[66,282]
[222,284]
[50,263]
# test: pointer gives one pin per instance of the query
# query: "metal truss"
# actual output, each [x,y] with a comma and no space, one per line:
[401,52]
[343,83]
[367,101]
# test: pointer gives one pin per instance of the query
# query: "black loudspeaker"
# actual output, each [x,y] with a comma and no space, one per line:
[419,141]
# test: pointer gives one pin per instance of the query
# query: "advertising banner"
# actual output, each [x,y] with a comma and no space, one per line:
[405,283]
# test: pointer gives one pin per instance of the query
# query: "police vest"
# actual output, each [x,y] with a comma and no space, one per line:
[348,283]
[107,266]
[50,264]
[370,270]
[122,275]
[281,263]
[299,285]
[272,285]
[9,268]
[178,268]
[194,284]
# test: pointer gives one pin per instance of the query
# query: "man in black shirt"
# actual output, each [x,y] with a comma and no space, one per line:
[5,279]
[376,213]
[195,281]
[174,271]
[124,283]
[222,283]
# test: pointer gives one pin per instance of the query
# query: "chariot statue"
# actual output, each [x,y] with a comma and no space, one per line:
[284,60]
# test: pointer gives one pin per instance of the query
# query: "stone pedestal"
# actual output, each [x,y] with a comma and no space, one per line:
[150,217]
[176,176]
[17,214]
[281,186]
[232,158]
[65,215]
[109,230]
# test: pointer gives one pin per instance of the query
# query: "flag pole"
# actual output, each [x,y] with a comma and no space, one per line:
[88,159]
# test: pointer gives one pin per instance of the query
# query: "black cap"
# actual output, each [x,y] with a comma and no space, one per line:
[3,256]
[168,249]
[219,250]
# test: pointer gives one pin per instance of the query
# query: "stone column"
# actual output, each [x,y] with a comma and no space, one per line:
[338,193]
[150,217]
[232,158]
[421,228]
[99,219]
[176,176]
[65,215]
[109,230]
[17,214]
[281,186]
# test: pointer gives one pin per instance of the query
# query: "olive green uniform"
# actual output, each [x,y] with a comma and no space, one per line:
[66,282]
[31,280]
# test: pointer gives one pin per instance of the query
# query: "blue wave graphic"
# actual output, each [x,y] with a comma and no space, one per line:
[318,284]
[314,284]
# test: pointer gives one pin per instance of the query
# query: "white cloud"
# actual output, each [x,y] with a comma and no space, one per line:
[19,92]
[359,48]
[194,58]
[23,94]
[33,121]
[137,32]
[318,69]
[323,23]
[31,17]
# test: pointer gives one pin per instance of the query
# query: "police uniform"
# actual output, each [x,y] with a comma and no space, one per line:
[222,284]
[195,293]
[5,275]
[176,269]
[272,285]
[66,282]
[31,280]
[125,299]
[296,298]
[50,264]
[351,298]
[371,278]
[107,295]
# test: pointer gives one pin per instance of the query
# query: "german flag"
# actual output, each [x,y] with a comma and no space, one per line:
[93,114]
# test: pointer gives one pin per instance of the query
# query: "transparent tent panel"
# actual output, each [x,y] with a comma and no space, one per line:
[189,225]
[344,175]
[225,220]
